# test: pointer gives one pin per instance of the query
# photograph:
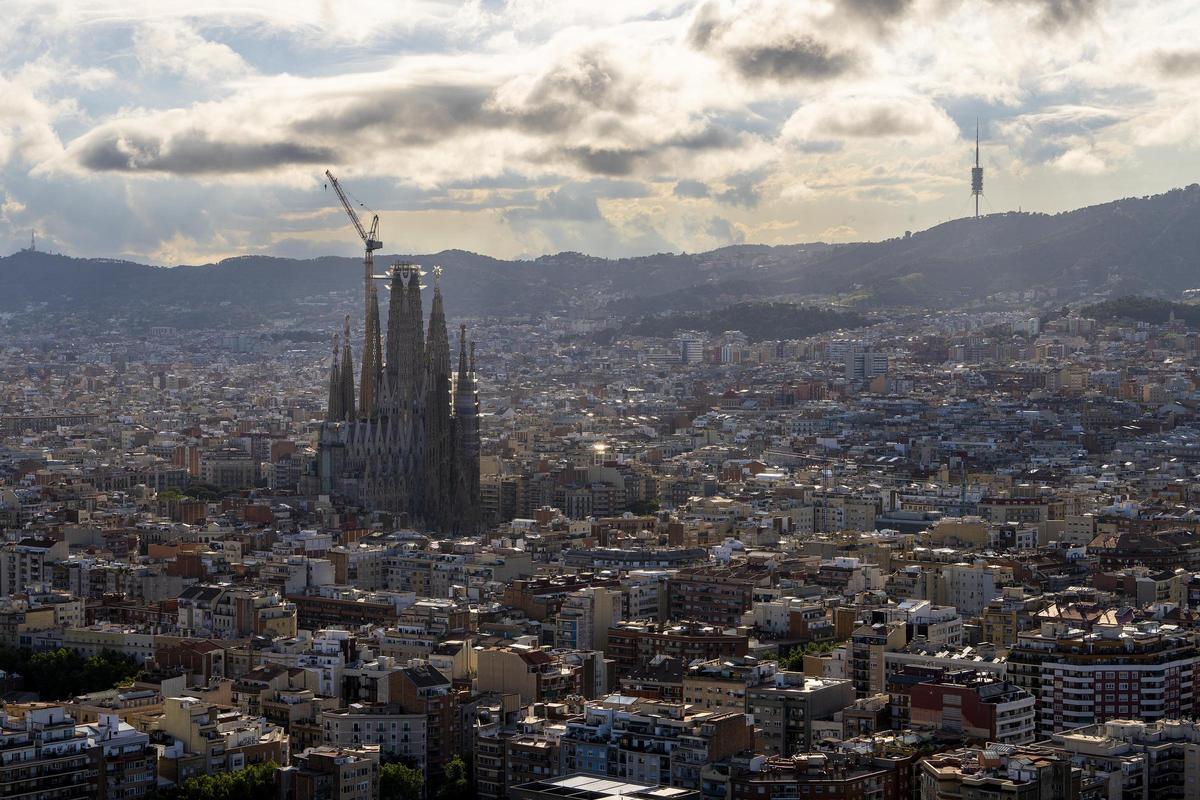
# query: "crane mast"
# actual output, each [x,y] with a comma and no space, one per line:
[372,352]
[370,238]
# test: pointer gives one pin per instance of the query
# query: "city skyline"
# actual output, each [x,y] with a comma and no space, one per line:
[182,135]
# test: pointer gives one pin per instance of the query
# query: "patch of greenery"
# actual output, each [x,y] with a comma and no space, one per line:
[793,660]
[1143,309]
[255,782]
[62,674]
[399,781]
[759,321]
[455,783]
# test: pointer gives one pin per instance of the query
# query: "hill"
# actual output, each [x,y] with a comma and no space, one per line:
[1148,246]
[1131,246]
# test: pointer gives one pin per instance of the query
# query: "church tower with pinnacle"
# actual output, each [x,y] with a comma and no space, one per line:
[410,444]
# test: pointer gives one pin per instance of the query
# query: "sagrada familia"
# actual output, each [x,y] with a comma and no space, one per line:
[410,444]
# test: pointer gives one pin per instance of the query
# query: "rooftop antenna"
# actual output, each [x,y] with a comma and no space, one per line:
[33,241]
[976,172]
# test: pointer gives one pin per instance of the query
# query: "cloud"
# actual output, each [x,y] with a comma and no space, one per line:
[1177,63]
[1170,127]
[792,59]
[868,117]
[878,9]
[724,231]
[770,45]
[570,218]
[1043,136]
[881,15]
[1058,14]
[10,209]
[418,114]
[707,22]
[1080,162]
[743,190]
[170,46]
[690,188]
[839,233]
[573,204]
[191,152]
[584,111]
[582,82]
[1053,16]
[606,160]
[27,121]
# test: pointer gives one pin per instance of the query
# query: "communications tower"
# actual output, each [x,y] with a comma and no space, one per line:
[977,173]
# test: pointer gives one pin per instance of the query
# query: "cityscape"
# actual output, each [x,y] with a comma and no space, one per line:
[568,460]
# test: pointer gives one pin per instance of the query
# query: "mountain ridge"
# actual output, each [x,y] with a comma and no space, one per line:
[1144,245]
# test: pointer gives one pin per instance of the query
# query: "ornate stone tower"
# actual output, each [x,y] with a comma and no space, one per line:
[466,439]
[372,357]
[333,408]
[439,436]
[346,380]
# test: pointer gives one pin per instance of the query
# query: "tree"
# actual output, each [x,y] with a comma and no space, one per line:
[793,660]
[255,782]
[62,674]
[455,783]
[398,781]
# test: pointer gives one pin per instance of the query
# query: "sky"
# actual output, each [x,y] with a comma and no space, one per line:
[186,132]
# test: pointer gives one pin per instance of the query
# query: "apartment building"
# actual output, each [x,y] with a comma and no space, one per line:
[785,706]
[1146,671]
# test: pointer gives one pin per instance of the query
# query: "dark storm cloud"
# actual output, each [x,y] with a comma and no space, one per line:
[1177,63]
[690,188]
[410,115]
[192,153]
[799,57]
[606,160]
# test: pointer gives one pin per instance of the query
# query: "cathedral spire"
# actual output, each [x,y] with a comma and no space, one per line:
[333,409]
[466,440]
[372,357]
[439,439]
[347,376]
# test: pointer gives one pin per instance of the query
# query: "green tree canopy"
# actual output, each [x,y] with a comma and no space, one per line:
[62,674]
[255,782]
[398,781]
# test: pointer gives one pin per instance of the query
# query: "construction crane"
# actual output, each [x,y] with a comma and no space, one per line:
[372,357]
[369,238]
